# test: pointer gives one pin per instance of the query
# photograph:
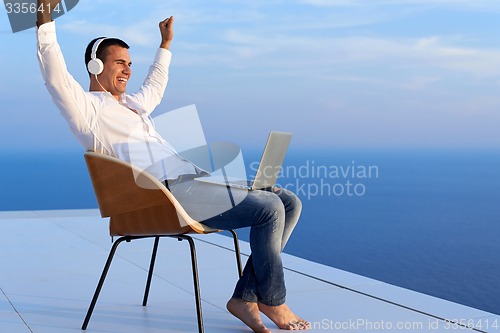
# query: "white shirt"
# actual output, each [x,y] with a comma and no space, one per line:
[105,125]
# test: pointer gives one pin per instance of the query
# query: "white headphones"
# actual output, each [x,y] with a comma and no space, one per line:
[95,65]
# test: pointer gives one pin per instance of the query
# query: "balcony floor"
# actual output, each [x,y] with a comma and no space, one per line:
[51,261]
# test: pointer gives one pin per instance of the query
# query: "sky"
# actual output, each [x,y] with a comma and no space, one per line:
[366,74]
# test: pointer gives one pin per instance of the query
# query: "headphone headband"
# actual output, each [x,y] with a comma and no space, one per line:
[95,65]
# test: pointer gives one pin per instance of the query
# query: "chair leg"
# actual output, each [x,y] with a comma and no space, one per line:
[101,280]
[195,280]
[237,250]
[150,273]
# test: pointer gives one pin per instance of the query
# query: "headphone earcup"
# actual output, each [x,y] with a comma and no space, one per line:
[95,66]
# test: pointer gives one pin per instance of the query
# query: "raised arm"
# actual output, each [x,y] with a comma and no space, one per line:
[75,105]
[167,32]
[151,92]
[44,13]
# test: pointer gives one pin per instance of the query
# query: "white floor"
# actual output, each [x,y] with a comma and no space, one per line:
[50,262]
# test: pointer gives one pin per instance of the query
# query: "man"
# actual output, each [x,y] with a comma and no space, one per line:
[109,121]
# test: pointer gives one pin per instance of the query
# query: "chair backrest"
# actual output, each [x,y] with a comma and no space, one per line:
[136,202]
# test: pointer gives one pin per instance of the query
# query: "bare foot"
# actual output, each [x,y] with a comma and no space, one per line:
[248,313]
[283,317]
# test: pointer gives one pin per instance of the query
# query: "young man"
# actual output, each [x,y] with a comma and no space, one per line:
[108,120]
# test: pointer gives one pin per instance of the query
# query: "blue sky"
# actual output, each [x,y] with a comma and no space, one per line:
[337,73]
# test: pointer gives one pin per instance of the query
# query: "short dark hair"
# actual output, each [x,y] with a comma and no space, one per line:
[101,51]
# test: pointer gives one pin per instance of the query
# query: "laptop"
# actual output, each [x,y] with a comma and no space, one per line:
[269,166]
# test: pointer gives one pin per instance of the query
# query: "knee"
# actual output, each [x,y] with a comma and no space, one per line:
[290,200]
[295,203]
[272,210]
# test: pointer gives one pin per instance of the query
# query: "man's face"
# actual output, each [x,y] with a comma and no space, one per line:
[116,71]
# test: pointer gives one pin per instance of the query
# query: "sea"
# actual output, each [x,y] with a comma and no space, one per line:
[425,220]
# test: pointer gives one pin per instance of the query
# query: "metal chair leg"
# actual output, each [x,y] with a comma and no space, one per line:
[195,281]
[237,250]
[194,265]
[101,280]
[150,274]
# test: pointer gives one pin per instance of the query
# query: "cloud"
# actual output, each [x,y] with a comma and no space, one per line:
[140,33]
[373,3]
[281,52]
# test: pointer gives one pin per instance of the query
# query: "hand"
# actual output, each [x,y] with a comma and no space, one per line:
[45,15]
[167,32]
[53,3]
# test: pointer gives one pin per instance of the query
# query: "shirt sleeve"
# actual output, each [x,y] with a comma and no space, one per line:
[151,92]
[73,102]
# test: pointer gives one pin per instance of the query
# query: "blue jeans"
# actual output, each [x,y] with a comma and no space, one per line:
[271,216]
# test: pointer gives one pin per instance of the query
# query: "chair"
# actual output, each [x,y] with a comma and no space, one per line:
[147,210]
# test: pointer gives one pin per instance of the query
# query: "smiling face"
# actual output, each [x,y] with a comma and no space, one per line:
[116,71]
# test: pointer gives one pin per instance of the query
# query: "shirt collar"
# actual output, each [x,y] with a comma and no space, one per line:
[122,98]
